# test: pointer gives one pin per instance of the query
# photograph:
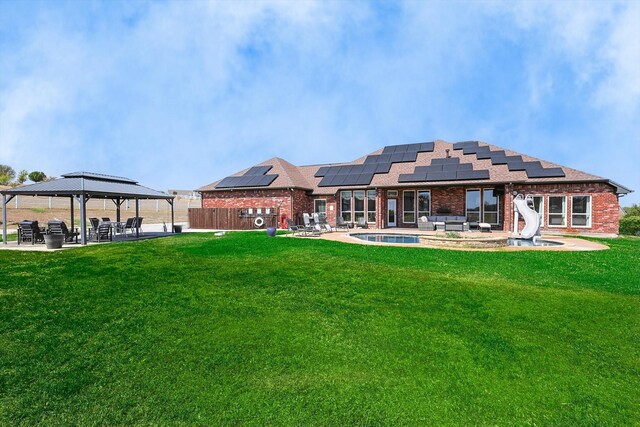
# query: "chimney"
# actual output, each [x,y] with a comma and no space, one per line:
[448,155]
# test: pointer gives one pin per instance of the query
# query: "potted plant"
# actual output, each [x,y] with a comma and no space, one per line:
[53,241]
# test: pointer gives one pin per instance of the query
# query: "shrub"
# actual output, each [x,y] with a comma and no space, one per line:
[633,210]
[37,176]
[630,225]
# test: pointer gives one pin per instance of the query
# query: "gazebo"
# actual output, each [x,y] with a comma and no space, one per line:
[84,186]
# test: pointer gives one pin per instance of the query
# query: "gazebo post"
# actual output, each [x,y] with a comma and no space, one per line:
[4,219]
[83,220]
[73,224]
[137,216]
[117,209]
[173,230]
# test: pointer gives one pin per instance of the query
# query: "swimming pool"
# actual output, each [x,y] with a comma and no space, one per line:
[387,238]
[522,242]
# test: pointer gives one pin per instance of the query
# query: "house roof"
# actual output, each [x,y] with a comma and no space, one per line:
[437,163]
[90,184]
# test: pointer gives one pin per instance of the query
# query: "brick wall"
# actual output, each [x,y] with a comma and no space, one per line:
[605,209]
[287,202]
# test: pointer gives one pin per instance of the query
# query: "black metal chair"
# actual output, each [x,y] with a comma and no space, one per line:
[340,224]
[29,231]
[293,228]
[362,223]
[103,233]
[95,222]
[59,227]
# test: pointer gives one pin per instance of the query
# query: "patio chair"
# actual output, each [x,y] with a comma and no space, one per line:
[324,225]
[341,224]
[308,227]
[59,227]
[29,231]
[103,233]
[95,222]
[129,225]
[362,223]
[138,224]
[294,228]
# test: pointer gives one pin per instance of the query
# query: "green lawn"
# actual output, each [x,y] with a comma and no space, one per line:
[250,330]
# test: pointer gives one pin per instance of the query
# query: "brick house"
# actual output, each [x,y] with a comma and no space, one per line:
[396,185]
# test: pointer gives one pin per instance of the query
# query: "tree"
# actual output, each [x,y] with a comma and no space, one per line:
[633,210]
[23,175]
[37,176]
[6,174]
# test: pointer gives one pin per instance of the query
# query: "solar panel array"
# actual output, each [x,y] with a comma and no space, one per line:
[448,169]
[534,169]
[362,174]
[254,177]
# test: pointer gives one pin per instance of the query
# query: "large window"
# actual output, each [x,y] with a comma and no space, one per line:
[491,206]
[538,206]
[424,203]
[358,205]
[345,205]
[473,205]
[409,206]
[557,211]
[581,211]
[320,207]
[371,205]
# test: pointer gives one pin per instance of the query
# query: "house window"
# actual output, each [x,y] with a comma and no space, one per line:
[473,205]
[358,205]
[581,211]
[409,207]
[345,205]
[320,207]
[557,211]
[424,203]
[371,205]
[491,209]
[538,206]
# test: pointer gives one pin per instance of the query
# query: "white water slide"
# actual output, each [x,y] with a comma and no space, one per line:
[524,207]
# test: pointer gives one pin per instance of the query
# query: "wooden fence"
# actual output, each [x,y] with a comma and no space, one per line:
[231,219]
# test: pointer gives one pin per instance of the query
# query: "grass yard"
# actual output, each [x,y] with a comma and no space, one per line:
[245,329]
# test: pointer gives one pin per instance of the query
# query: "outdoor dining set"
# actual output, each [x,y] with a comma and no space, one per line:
[99,230]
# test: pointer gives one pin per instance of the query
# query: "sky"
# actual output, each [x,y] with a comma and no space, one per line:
[178,94]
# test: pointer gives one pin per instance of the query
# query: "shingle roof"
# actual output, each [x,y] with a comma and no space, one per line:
[91,184]
[473,155]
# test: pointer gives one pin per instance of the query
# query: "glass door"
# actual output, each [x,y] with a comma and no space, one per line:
[391,212]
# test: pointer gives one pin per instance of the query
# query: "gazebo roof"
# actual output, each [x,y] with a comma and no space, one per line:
[94,185]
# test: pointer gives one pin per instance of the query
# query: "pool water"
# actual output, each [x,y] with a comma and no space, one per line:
[387,238]
[522,242]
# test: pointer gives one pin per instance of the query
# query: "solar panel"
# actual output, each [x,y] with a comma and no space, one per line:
[545,173]
[397,157]
[463,144]
[513,159]
[485,153]
[409,156]
[383,167]
[441,176]
[517,166]
[332,171]
[445,161]
[426,146]
[351,180]
[322,171]
[370,168]
[499,160]
[258,170]
[364,179]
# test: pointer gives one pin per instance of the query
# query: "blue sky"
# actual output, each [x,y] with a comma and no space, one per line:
[177,94]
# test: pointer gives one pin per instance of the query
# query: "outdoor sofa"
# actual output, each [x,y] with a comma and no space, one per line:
[443,223]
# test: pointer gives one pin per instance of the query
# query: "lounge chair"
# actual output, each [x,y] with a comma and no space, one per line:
[362,223]
[103,233]
[308,227]
[59,227]
[341,224]
[324,225]
[294,228]
[29,231]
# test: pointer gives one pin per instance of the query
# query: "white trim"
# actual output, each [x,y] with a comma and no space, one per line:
[564,212]
[404,207]
[479,190]
[491,212]
[588,215]
[418,202]
[395,210]
[542,205]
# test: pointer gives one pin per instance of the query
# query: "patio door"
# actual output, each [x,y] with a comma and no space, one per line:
[391,212]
